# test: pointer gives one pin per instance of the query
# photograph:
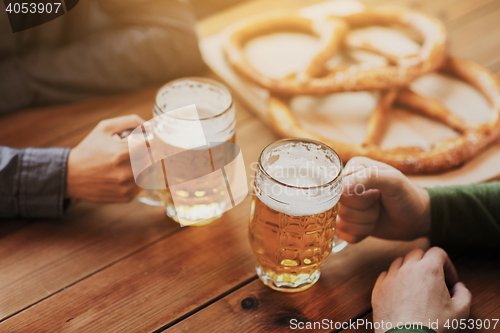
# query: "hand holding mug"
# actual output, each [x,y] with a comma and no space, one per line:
[99,167]
[378,200]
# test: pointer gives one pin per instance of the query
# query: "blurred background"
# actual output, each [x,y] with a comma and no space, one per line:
[205,8]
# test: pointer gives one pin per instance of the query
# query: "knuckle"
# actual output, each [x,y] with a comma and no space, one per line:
[132,191]
[398,176]
[104,123]
[416,251]
[437,250]
[134,118]
[355,239]
[129,197]
[122,191]
[377,289]
[396,264]
[345,228]
[343,213]
[468,304]
[383,274]
[342,227]
[373,214]
[372,219]
[354,164]
[120,157]
[375,207]
[464,307]
[126,193]
[116,159]
[430,266]
[348,238]
[398,260]
[122,178]
[406,270]
[360,160]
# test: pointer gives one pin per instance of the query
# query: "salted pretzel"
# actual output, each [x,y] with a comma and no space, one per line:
[443,155]
[330,33]
[314,81]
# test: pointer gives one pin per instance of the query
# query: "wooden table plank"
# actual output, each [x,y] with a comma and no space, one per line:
[45,257]
[137,292]
[343,292]
[43,246]
[152,287]
[479,270]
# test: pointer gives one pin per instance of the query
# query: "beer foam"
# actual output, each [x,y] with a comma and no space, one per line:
[214,112]
[302,167]
[205,95]
[294,204]
[188,134]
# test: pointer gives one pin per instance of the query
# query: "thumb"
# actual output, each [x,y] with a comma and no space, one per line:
[387,180]
[462,298]
[119,124]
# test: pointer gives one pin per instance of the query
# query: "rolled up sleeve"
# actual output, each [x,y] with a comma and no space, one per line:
[33,182]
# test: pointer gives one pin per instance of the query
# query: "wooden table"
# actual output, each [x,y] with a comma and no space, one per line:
[127,268]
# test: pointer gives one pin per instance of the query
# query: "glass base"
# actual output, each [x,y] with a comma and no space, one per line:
[301,284]
[338,244]
[149,197]
[173,215]
[152,198]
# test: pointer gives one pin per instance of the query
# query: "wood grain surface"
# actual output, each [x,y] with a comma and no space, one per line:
[127,268]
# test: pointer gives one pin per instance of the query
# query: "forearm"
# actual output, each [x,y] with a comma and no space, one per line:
[33,182]
[466,215]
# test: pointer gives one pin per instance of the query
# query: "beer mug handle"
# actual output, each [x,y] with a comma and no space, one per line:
[148,197]
[338,244]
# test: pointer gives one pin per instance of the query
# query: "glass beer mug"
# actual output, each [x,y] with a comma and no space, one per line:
[216,114]
[297,186]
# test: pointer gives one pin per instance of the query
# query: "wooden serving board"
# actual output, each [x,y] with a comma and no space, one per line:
[343,116]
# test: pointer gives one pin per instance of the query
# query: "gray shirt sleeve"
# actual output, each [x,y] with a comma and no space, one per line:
[33,182]
[151,42]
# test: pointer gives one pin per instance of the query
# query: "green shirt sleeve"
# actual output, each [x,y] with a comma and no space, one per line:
[466,215]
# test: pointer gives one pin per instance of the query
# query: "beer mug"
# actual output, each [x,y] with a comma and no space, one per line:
[297,187]
[216,115]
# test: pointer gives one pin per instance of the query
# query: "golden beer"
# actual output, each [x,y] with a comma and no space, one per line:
[294,209]
[204,197]
[190,141]
[290,249]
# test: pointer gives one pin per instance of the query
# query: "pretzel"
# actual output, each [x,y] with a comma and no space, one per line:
[443,155]
[329,32]
[399,73]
